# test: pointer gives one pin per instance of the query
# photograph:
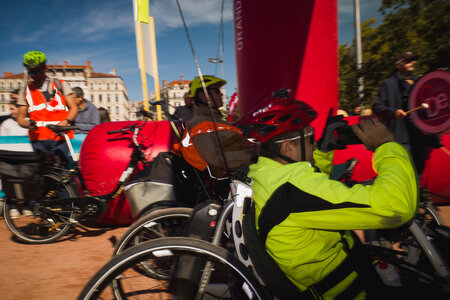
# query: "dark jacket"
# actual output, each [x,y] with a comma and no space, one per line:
[393,95]
[184,113]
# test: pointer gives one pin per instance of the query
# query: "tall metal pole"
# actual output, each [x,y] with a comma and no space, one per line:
[358,51]
[155,73]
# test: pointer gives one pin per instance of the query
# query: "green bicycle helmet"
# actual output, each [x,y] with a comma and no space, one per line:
[209,80]
[34,59]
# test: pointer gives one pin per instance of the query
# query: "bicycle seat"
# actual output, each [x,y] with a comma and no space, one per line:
[59,129]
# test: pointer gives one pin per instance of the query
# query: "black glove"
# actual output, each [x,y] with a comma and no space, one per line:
[240,173]
[328,141]
[32,125]
[373,133]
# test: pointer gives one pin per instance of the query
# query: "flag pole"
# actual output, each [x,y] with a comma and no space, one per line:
[154,59]
[142,66]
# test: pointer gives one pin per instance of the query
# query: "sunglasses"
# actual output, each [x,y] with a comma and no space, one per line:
[35,72]
[215,89]
[309,135]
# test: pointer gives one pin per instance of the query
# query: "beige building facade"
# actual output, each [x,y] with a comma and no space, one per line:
[103,90]
[174,92]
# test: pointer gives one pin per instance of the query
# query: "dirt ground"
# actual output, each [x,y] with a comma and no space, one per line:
[55,271]
[60,270]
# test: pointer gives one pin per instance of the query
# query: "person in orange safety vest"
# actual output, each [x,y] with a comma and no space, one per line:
[46,101]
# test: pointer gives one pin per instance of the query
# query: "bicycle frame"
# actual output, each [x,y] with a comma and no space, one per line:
[136,157]
[73,175]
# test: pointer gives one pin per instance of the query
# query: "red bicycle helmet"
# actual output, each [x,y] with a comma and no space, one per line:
[275,116]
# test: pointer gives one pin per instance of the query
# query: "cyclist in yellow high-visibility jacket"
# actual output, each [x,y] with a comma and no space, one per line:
[305,218]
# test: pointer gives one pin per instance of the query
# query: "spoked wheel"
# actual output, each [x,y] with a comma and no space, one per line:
[163,222]
[160,223]
[37,221]
[222,276]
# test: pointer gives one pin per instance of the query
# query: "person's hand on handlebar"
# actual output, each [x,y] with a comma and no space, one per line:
[32,125]
[373,133]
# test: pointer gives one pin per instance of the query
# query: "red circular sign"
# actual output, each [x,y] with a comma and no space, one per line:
[434,90]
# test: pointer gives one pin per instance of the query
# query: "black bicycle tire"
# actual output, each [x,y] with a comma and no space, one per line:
[133,255]
[153,216]
[30,240]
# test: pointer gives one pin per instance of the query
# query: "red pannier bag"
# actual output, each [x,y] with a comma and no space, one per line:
[103,158]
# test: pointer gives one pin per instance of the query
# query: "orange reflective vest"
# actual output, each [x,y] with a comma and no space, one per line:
[188,149]
[44,113]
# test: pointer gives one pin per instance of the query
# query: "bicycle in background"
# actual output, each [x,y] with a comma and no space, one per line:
[35,183]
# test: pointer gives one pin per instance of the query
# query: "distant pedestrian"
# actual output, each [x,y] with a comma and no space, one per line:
[104,115]
[88,115]
[10,125]
[391,105]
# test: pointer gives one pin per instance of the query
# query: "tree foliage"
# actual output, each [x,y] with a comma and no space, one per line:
[420,26]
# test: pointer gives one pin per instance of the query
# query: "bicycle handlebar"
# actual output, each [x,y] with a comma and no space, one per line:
[154,103]
[130,128]
[133,128]
[146,114]
[116,131]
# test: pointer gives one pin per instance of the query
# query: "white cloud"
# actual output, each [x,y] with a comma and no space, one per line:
[196,12]
[100,21]
[345,6]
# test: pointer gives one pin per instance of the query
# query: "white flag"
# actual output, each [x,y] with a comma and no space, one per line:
[148,38]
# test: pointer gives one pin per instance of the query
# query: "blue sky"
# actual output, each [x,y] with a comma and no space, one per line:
[102,31]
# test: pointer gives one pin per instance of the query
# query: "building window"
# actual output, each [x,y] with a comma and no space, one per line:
[117,110]
[117,98]
[1,98]
[99,98]
[109,98]
[92,98]
[107,86]
[10,84]
[117,87]
[92,86]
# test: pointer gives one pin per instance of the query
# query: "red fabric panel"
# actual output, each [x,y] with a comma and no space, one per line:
[103,158]
[436,173]
[287,44]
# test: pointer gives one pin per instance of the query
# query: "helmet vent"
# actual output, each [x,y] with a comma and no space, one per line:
[267,118]
[267,129]
[284,118]
[297,121]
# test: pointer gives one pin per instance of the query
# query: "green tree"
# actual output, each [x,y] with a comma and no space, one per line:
[347,77]
[421,26]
